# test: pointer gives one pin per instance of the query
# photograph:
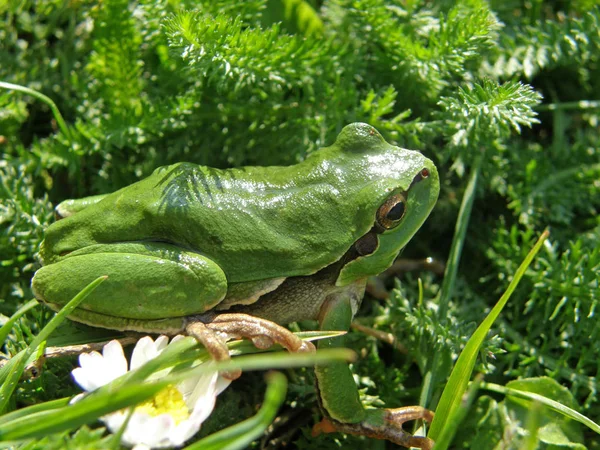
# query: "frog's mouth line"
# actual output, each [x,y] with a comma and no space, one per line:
[169,326]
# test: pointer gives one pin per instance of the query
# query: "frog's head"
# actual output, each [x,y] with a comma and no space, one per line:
[399,191]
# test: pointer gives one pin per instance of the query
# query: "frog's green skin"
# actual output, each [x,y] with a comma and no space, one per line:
[275,242]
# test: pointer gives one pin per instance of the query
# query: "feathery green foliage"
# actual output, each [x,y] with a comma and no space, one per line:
[506,92]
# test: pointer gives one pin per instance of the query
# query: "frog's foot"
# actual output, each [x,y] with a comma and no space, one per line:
[213,331]
[383,424]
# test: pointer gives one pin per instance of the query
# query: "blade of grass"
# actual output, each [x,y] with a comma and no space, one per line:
[461,374]
[33,409]
[8,366]
[566,106]
[458,415]
[5,330]
[187,351]
[458,241]
[48,101]
[240,435]
[115,442]
[244,346]
[64,312]
[552,404]
[447,289]
[9,385]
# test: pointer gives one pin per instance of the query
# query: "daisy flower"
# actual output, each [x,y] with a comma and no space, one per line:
[168,419]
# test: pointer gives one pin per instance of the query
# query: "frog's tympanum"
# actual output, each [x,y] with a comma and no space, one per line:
[235,252]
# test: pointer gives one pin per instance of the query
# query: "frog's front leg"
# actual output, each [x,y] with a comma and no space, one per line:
[213,330]
[339,395]
[70,207]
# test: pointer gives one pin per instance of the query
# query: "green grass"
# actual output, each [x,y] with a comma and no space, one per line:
[503,96]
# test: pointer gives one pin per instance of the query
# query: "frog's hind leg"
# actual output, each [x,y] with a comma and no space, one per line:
[213,330]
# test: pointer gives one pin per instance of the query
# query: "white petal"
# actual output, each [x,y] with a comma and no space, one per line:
[161,342]
[206,386]
[144,351]
[164,424]
[90,360]
[91,374]
[114,421]
[134,433]
[178,338]
[203,397]
[190,387]
[91,379]
[152,431]
[113,356]
[141,447]
[203,408]
[97,370]
[222,384]
[187,387]
[83,379]
[115,363]
[184,431]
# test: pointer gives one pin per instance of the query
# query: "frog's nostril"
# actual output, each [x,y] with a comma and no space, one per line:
[423,173]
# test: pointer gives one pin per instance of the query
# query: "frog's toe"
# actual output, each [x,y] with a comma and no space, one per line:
[383,424]
[215,345]
[265,342]
[262,342]
[307,346]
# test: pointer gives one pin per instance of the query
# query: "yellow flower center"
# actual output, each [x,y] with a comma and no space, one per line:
[169,401]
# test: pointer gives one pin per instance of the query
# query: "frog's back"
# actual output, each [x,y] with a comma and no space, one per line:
[259,222]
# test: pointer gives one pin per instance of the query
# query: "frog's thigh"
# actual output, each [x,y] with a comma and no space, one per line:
[161,283]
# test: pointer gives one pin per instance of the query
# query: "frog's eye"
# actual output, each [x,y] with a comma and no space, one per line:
[391,212]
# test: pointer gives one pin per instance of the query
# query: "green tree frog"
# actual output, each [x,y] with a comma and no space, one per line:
[235,252]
